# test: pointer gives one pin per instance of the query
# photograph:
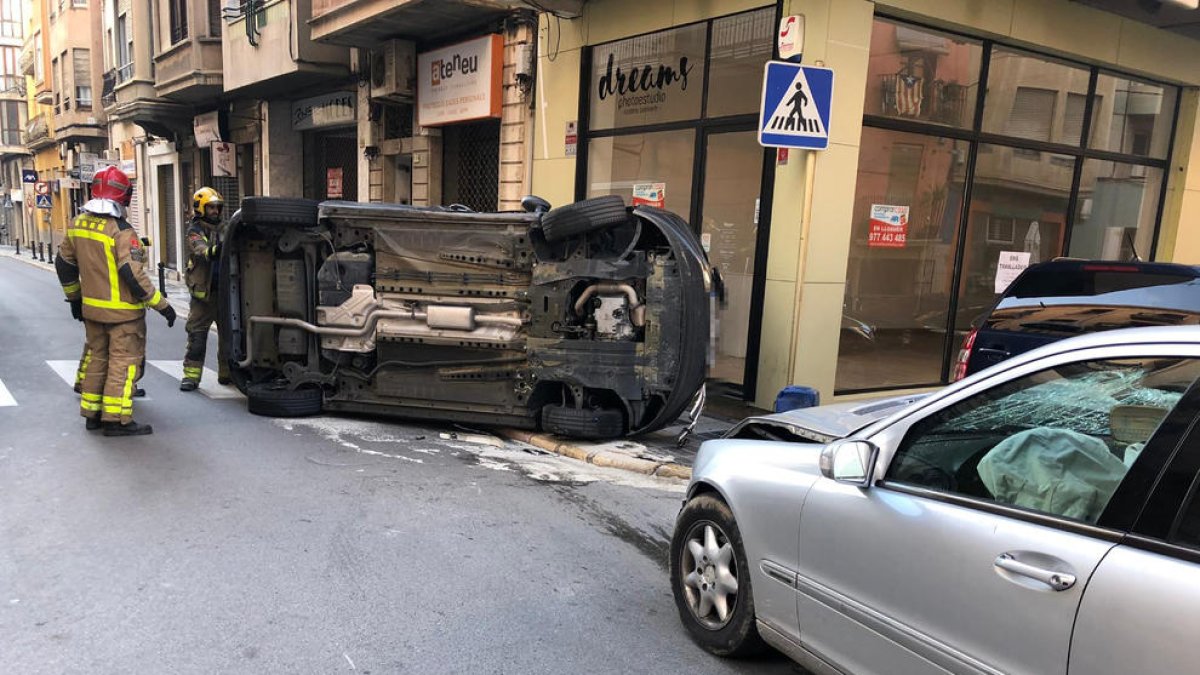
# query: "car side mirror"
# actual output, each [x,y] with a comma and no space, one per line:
[850,462]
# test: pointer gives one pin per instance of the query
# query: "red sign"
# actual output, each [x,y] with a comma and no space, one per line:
[650,194]
[333,183]
[889,226]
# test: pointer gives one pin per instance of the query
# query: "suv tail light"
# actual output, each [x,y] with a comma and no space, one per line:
[964,355]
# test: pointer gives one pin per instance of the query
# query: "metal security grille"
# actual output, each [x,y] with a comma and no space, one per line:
[230,190]
[471,165]
[166,209]
[333,155]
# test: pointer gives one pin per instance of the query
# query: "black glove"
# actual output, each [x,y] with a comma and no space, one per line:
[214,251]
[169,315]
[76,309]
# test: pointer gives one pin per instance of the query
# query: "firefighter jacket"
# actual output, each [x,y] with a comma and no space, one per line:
[202,241]
[102,261]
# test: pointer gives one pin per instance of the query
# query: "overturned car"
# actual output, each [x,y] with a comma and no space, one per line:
[589,320]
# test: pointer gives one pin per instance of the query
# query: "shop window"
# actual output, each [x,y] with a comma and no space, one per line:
[741,44]
[649,79]
[619,165]
[1138,119]
[916,73]
[1116,211]
[899,281]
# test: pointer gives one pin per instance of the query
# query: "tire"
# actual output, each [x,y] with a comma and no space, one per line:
[737,635]
[582,217]
[279,211]
[275,400]
[596,424]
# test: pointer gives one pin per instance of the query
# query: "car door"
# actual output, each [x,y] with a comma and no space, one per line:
[991,507]
[1141,609]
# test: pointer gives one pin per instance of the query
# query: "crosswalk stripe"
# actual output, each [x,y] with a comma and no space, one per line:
[208,383]
[6,399]
[66,371]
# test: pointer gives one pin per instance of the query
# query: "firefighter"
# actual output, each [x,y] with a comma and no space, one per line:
[204,245]
[101,266]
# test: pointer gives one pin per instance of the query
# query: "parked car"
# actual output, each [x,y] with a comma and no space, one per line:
[1065,297]
[1040,517]
[589,320]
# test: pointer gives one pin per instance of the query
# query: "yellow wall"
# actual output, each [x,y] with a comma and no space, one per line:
[806,274]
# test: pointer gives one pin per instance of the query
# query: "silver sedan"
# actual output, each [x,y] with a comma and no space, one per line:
[1039,517]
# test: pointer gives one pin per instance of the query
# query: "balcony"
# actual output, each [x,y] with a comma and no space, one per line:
[190,71]
[275,38]
[365,23]
[37,133]
[25,62]
[919,99]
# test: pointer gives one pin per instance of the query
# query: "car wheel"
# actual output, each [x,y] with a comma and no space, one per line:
[273,399]
[582,217]
[710,579]
[280,211]
[588,423]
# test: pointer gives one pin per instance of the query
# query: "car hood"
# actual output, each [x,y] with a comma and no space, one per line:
[822,424]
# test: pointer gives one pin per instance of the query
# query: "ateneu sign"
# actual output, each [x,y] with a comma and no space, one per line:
[327,110]
[648,79]
[461,82]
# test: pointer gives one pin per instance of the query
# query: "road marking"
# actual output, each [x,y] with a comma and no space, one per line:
[6,399]
[208,383]
[66,371]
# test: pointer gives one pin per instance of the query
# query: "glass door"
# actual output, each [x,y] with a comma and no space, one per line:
[732,182]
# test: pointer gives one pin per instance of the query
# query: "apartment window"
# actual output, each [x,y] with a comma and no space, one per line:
[214,17]
[11,19]
[10,123]
[56,84]
[1046,158]
[83,78]
[79,3]
[38,74]
[9,70]
[124,49]
[178,10]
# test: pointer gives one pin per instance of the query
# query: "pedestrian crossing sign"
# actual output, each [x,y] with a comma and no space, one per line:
[795,106]
[43,201]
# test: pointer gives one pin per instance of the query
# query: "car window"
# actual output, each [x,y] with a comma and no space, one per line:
[1058,441]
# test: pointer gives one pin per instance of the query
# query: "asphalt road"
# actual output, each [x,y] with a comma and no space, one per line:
[232,543]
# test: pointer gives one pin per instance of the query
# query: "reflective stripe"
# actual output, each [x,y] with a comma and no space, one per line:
[193,371]
[200,295]
[112,409]
[89,406]
[127,395]
[72,287]
[83,366]
[154,299]
[114,282]
[91,397]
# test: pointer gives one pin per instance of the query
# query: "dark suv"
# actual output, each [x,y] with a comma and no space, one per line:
[1063,298]
[589,320]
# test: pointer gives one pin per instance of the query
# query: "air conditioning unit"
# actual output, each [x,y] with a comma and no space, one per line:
[394,71]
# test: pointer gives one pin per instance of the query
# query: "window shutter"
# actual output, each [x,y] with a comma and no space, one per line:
[1032,113]
[1073,118]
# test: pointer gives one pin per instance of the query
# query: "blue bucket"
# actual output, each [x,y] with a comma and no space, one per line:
[796,396]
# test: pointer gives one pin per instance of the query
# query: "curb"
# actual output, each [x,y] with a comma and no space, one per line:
[613,460]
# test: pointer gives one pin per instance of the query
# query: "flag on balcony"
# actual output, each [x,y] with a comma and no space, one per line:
[908,95]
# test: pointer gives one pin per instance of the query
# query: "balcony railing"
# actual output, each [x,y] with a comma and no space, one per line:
[36,129]
[921,99]
[25,62]
[108,83]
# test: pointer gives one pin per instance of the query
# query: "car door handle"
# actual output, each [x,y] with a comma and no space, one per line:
[1059,581]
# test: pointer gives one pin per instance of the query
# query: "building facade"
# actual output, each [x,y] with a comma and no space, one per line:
[13,116]
[984,125]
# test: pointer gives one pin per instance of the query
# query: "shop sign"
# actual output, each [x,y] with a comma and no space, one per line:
[17,195]
[571,140]
[128,167]
[791,37]
[28,176]
[87,166]
[207,128]
[461,82]
[648,79]
[1009,267]
[795,106]
[889,226]
[335,109]
[333,182]
[70,183]
[650,194]
[224,160]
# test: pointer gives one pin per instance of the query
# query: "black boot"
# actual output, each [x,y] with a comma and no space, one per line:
[78,387]
[188,385]
[131,429]
[91,423]
[139,393]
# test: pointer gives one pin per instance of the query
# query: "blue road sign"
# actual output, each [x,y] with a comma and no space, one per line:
[28,176]
[795,106]
[43,201]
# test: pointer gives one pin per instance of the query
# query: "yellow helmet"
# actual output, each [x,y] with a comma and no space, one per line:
[204,197]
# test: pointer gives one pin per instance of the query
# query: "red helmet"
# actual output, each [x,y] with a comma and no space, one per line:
[112,183]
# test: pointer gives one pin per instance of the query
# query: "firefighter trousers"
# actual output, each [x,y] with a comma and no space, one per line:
[117,352]
[86,359]
[201,315]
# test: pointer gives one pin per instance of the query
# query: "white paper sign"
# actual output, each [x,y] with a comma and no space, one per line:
[460,82]
[1009,267]
[224,159]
